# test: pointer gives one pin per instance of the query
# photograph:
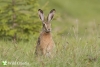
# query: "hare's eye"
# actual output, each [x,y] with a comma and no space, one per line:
[43,24]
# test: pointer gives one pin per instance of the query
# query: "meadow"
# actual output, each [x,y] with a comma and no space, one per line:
[75,30]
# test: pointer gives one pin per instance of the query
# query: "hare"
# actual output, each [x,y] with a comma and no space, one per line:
[45,44]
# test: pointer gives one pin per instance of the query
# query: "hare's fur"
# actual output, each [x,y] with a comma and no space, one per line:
[45,44]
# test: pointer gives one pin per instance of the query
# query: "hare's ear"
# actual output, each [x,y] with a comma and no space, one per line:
[51,14]
[41,15]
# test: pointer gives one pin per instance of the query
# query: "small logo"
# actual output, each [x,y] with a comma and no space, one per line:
[4,63]
[14,63]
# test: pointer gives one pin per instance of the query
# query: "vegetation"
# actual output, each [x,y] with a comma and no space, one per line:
[70,52]
[18,19]
[75,30]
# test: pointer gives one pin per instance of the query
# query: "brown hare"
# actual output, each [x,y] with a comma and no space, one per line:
[45,44]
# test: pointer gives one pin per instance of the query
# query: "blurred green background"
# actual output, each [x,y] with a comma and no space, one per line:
[81,14]
[77,9]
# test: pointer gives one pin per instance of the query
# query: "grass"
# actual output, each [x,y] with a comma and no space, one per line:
[71,51]
[75,32]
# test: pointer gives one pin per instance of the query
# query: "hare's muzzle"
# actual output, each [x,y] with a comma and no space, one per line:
[48,30]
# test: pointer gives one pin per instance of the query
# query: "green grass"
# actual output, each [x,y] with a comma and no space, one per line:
[71,51]
[75,32]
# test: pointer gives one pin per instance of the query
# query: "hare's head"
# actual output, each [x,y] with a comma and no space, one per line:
[46,22]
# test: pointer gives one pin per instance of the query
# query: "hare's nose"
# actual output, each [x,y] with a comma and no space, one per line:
[48,29]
